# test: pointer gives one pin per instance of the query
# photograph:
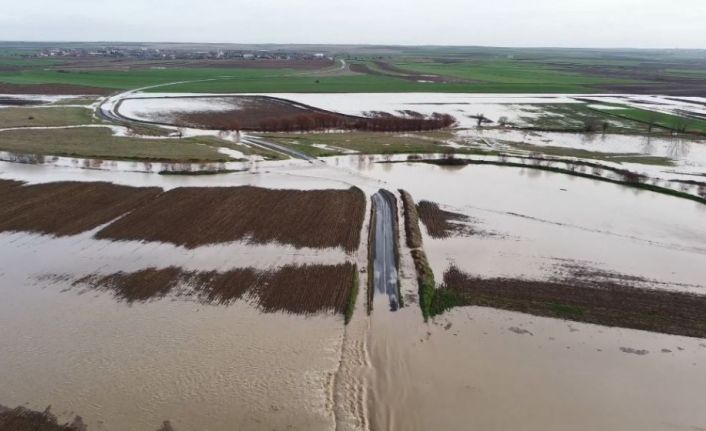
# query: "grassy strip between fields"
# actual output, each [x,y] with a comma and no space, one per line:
[371,255]
[353,295]
[631,183]
[432,301]
[580,153]
[332,144]
[675,123]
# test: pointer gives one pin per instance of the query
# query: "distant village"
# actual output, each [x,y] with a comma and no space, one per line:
[173,54]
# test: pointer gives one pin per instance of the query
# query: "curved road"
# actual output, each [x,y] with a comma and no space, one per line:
[108,109]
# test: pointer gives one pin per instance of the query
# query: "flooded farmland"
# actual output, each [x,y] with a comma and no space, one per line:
[249,300]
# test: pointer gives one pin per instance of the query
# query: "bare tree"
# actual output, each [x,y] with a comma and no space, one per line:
[651,121]
[591,124]
[682,124]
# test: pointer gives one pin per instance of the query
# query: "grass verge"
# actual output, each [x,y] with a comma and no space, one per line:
[350,306]
[371,255]
[432,301]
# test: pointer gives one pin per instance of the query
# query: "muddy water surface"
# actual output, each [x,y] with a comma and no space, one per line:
[528,222]
[482,369]
[223,368]
[131,367]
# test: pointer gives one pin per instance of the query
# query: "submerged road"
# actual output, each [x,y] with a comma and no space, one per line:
[262,143]
[385,263]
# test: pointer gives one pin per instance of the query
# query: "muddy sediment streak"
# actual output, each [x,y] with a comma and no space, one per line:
[601,302]
[66,208]
[305,289]
[192,217]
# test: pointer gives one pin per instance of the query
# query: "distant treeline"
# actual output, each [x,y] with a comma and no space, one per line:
[374,121]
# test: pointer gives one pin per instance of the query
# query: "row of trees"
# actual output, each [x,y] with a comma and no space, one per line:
[379,122]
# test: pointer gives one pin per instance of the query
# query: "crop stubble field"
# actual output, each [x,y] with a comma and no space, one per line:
[608,303]
[66,208]
[307,289]
[192,217]
[189,217]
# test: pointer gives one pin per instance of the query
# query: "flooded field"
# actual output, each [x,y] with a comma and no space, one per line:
[479,368]
[242,300]
[519,213]
[132,367]
[462,106]
[682,150]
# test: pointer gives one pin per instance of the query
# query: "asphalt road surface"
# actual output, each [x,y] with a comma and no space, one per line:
[384,263]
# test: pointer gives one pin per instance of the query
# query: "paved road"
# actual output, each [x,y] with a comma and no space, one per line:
[384,264]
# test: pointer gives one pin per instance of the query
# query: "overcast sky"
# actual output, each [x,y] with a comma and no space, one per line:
[570,23]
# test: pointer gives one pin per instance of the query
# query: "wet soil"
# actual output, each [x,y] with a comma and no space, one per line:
[305,289]
[66,208]
[599,301]
[196,216]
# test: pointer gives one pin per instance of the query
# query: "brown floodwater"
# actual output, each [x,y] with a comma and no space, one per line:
[533,222]
[130,367]
[478,368]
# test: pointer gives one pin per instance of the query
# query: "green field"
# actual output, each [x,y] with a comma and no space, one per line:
[219,80]
[506,72]
[658,119]
[35,117]
[98,142]
[462,69]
